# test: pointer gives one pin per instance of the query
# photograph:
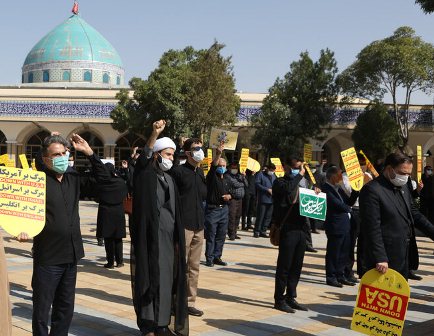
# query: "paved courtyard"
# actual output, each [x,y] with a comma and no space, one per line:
[237,299]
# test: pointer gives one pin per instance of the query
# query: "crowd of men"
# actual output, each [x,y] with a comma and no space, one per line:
[176,208]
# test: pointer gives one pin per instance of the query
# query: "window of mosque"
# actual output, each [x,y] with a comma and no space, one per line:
[34,144]
[106,78]
[125,144]
[46,76]
[87,77]
[30,77]
[118,80]
[3,145]
[66,77]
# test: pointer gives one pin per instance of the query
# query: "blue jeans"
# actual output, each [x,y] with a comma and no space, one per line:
[53,286]
[263,217]
[337,255]
[216,227]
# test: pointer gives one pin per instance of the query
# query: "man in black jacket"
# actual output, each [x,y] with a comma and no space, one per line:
[57,249]
[388,218]
[191,184]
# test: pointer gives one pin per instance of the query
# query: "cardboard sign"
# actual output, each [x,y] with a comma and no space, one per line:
[419,163]
[312,178]
[243,159]
[312,205]
[218,136]
[369,165]
[23,161]
[253,165]
[206,162]
[381,304]
[352,167]
[4,159]
[307,154]
[34,164]
[22,201]
[279,168]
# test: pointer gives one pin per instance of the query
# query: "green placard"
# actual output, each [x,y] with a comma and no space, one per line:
[313,205]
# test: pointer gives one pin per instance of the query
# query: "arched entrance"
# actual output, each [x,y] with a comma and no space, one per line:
[34,144]
[125,144]
[3,145]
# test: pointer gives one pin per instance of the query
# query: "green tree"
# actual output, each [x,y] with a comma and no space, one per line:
[426,5]
[402,61]
[298,106]
[382,129]
[193,89]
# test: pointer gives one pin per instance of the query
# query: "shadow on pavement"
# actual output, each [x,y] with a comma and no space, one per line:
[213,294]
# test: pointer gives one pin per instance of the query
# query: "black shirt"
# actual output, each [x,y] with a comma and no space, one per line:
[192,192]
[60,241]
[217,187]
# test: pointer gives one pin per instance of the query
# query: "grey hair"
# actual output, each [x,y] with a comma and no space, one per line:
[333,170]
[53,139]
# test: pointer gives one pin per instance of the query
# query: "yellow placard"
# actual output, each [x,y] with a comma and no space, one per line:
[218,136]
[312,178]
[419,163]
[279,168]
[369,165]
[23,160]
[381,304]
[10,163]
[253,165]
[243,159]
[352,167]
[206,162]
[4,159]
[34,164]
[308,153]
[22,201]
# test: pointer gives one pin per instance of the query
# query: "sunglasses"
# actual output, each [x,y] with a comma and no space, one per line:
[195,149]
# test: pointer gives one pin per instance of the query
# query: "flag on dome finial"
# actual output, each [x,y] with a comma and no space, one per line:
[75,8]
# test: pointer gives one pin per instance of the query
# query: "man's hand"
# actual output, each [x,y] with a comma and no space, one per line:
[158,127]
[270,191]
[23,237]
[382,267]
[419,186]
[219,150]
[81,145]
[124,164]
[227,197]
[302,170]
[317,190]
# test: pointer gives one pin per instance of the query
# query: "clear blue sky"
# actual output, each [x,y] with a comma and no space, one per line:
[263,36]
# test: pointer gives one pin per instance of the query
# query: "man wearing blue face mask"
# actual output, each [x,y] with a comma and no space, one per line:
[264,183]
[389,217]
[57,249]
[216,213]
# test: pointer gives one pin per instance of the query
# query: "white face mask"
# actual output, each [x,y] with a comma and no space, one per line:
[71,163]
[234,171]
[164,164]
[399,180]
[270,173]
[181,162]
[198,156]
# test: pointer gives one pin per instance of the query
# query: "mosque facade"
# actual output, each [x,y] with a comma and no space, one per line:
[69,82]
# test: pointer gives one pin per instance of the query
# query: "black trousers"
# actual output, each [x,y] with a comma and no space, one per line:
[235,207]
[292,247]
[114,250]
[53,287]
[307,232]
[248,210]
[354,234]
[337,255]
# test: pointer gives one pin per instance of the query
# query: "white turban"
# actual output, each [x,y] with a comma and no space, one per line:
[163,143]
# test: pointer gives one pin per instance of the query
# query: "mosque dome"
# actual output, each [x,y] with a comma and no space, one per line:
[73,53]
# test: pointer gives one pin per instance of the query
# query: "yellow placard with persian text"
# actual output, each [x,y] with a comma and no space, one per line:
[4,159]
[352,167]
[308,153]
[22,201]
[227,137]
[381,304]
[253,165]
[23,160]
[206,163]
[312,178]
[369,165]
[419,163]
[243,159]
[279,168]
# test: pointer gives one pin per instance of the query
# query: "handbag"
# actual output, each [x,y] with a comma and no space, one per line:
[275,228]
[128,204]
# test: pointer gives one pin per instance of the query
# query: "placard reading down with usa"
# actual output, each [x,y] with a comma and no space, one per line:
[22,201]
[313,205]
[381,304]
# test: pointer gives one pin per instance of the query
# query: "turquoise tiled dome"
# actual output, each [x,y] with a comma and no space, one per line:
[73,40]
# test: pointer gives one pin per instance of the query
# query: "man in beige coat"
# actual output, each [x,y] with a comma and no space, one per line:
[5,307]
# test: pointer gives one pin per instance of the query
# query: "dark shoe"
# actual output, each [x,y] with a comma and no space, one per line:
[118,265]
[334,283]
[100,241]
[164,331]
[209,263]
[295,305]
[237,237]
[346,282]
[194,311]
[315,231]
[414,276]
[256,235]
[283,306]
[264,235]
[220,262]
[232,238]
[311,249]
[353,279]
[109,266]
